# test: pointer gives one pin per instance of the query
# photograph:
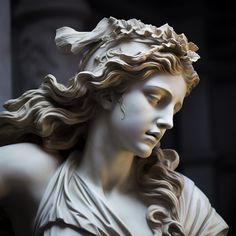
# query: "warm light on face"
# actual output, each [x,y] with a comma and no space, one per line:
[149,107]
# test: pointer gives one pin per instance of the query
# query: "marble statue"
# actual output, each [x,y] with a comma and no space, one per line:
[85,158]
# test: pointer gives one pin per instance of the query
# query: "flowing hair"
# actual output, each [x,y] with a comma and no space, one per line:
[159,183]
[57,117]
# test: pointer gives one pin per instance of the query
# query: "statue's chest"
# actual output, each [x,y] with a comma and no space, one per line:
[132,213]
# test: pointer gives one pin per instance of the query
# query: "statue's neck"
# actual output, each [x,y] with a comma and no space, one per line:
[104,163]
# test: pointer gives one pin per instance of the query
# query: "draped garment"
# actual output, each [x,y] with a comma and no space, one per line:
[70,200]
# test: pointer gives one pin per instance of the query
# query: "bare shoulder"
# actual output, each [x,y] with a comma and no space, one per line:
[25,164]
[26,157]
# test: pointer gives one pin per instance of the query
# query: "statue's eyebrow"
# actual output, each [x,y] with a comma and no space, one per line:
[156,89]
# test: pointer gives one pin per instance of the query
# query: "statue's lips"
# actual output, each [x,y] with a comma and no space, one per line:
[152,138]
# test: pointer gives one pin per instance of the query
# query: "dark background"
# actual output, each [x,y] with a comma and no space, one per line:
[205,129]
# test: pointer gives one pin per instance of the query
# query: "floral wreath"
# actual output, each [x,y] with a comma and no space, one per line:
[163,39]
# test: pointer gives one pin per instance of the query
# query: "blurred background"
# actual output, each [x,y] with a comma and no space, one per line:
[205,129]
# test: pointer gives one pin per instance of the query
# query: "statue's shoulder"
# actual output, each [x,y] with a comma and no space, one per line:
[27,156]
[197,214]
[25,165]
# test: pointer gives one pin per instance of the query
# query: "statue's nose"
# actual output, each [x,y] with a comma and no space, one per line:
[165,118]
[165,123]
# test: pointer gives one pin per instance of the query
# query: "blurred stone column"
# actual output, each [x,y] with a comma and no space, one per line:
[34,51]
[5,52]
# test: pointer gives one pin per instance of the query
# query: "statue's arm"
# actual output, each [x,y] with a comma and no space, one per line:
[25,166]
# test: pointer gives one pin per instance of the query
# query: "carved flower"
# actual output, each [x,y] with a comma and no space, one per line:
[193,56]
[164,36]
[109,29]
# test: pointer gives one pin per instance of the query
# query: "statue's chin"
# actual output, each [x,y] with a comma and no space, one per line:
[144,151]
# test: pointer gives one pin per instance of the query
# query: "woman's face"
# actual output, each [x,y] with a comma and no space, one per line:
[139,120]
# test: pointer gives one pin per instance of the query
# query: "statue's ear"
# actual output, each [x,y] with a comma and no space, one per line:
[106,99]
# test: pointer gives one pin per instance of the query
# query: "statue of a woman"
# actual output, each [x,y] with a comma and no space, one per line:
[85,159]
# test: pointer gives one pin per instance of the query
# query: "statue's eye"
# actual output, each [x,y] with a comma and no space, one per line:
[177,108]
[154,100]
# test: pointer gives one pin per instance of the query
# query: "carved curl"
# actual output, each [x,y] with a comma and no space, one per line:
[54,109]
[161,187]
